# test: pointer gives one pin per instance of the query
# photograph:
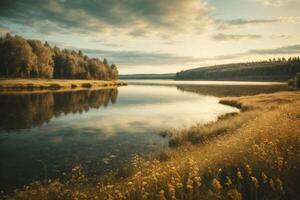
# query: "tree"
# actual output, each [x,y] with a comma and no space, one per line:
[44,64]
[47,45]
[105,62]
[113,72]
[80,53]
[8,36]
[17,59]
[70,68]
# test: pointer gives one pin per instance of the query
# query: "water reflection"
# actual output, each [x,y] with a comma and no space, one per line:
[82,129]
[233,90]
[21,111]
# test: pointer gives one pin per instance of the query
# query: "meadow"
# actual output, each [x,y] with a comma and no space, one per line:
[253,155]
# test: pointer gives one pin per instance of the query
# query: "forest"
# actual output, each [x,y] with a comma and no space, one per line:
[21,58]
[276,69]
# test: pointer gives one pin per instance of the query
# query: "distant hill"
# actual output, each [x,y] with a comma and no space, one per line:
[148,76]
[272,70]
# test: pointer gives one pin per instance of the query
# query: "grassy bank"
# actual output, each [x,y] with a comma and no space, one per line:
[257,156]
[54,84]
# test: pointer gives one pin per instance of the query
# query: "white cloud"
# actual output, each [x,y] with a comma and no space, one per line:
[235,37]
[276,2]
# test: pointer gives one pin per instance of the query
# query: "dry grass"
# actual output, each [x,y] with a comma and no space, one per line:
[262,101]
[254,105]
[54,84]
[258,160]
[200,133]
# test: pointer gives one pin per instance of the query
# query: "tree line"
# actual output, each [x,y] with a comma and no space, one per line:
[277,69]
[34,59]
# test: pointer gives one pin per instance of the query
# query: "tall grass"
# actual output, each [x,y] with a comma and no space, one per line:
[203,133]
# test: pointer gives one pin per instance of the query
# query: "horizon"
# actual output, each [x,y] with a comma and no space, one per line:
[177,35]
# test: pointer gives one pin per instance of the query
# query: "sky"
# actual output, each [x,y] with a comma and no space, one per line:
[160,36]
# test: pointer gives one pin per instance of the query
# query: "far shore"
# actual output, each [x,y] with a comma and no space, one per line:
[55,84]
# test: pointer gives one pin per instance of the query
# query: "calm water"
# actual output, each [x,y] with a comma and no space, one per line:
[174,82]
[45,134]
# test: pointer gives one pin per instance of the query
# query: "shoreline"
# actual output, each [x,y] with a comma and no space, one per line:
[54,84]
[164,82]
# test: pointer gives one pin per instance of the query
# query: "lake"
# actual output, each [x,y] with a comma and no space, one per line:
[186,82]
[44,134]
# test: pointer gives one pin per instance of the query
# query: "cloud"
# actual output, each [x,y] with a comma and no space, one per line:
[105,43]
[58,44]
[293,49]
[141,58]
[285,50]
[277,2]
[229,37]
[280,36]
[135,17]
[226,24]
[222,24]
[236,37]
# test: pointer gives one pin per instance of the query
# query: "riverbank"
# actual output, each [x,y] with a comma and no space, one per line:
[55,84]
[257,159]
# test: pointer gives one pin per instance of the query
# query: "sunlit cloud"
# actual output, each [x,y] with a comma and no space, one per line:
[285,50]
[276,2]
[229,37]
[141,57]
[233,23]
[221,37]
[135,18]
[293,49]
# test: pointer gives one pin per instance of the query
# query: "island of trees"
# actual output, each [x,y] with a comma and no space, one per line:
[276,69]
[21,58]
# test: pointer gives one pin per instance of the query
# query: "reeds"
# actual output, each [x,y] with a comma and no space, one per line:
[203,133]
